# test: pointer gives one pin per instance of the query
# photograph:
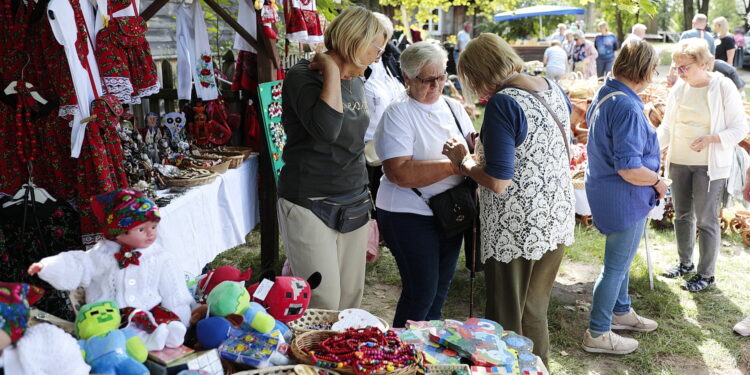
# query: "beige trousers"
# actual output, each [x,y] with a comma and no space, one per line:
[339,257]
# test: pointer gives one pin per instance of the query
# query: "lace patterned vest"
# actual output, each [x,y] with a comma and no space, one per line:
[536,212]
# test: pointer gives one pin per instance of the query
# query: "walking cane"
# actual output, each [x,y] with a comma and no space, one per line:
[472,272]
[648,257]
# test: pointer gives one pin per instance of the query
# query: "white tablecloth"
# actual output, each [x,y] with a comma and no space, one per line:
[210,219]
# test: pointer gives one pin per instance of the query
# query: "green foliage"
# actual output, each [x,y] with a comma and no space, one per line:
[726,9]
[421,10]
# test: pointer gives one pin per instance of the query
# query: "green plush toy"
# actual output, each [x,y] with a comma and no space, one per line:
[106,348]
[227,298]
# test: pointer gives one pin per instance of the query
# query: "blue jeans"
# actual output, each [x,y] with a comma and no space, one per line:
[611,288]
[604,66]
[426,262]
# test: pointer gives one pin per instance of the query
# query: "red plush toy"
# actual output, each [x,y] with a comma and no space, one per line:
[223,273]
[289,296]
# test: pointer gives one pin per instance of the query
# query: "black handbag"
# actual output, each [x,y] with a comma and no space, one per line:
[454,210]
[344,213]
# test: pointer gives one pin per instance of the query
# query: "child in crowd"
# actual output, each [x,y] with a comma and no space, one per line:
[127,268]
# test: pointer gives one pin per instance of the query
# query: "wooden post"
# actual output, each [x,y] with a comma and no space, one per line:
[168,84]
[152,9]
[269,225]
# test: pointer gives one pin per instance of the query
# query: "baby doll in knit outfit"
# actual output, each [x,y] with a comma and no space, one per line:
[128,268]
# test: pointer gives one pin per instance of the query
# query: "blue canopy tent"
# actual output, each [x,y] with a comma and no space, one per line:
[537,11]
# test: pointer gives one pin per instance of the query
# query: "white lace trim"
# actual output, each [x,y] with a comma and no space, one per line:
[148,91]
[537,211]
[120,87]
[67,110]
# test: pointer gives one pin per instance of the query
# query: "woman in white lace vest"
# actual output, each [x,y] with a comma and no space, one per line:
[526,197]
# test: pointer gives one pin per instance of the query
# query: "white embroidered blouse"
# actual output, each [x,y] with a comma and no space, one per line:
[155,281]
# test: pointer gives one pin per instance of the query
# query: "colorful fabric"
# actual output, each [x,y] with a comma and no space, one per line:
[125,62]
[127,256]
[15,301]
[302,22]
[121,210]
[151,319]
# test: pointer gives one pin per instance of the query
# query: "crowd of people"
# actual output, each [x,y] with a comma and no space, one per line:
[423,145]
[595,58]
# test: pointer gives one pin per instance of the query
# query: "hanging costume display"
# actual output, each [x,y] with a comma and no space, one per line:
[124,56]
[100,166]
[302,22]
[246,71]
[194,54]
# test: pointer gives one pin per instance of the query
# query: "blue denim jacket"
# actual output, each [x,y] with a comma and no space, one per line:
[620,137]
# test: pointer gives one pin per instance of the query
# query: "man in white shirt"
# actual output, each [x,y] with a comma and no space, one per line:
[559,35]
[462,39]
[638,32]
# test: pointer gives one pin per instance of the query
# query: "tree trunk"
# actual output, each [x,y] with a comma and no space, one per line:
[689,12]
[618,18]
[703,7]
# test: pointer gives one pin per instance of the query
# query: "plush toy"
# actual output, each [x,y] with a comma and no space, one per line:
[175,122]
[228,297]
[129,268]
[224,273]
[289,296]
[106,348]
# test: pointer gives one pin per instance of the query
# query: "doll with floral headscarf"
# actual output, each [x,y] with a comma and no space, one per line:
[39,350]
[128,268]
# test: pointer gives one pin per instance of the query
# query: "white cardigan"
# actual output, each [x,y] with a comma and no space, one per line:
[154,281]
[728,121]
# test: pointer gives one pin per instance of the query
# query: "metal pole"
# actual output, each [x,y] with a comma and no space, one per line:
[541,36]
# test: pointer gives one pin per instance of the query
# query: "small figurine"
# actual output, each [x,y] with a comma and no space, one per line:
[106,348]
[199,126]
[175,122]
[154,130]
[129,268]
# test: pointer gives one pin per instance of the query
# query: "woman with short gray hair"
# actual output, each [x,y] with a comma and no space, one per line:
[409,141]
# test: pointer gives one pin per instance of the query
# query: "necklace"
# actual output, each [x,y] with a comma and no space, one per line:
[347,86]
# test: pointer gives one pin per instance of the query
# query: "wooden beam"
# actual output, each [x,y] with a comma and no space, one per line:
[238,28]
[269,225]
[152,8]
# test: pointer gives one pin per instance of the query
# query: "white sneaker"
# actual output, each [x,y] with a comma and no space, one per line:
[633,322]
[743,327]
[609,343]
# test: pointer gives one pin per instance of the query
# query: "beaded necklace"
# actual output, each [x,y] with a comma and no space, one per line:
[366,351]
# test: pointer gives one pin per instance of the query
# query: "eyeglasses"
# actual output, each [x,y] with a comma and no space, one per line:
[431,80]
[381,50]
[684,68]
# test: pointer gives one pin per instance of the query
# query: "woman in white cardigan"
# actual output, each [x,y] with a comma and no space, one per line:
[703,122]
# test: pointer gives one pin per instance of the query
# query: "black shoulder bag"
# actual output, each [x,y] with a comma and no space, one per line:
[454,210]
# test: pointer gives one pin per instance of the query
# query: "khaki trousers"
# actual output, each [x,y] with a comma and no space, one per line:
[518,296]
[339,257]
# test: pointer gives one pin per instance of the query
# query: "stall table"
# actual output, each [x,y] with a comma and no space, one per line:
[212,218]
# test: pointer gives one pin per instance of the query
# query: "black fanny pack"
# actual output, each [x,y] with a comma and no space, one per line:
[344,213]
[454,209]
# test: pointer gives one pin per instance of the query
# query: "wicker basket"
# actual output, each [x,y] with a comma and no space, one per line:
[447,369]
[235,158]
[283,370]
[190,182]
[220,168]
[310,339]
[245,151]
[318,316]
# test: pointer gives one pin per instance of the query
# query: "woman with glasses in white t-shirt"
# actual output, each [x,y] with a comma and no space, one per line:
[409,140]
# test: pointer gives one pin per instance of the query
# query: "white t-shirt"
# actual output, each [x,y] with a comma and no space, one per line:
[381,88]
[556,57]
[410,128]
[462,39]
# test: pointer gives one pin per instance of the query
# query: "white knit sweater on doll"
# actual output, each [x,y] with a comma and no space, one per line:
[156,280]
